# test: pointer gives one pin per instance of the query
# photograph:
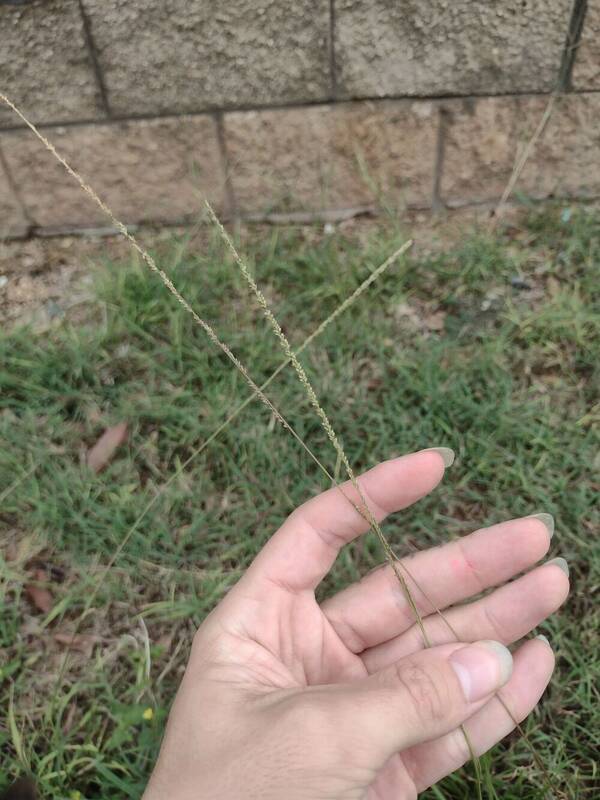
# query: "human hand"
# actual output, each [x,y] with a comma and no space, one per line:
[285,698]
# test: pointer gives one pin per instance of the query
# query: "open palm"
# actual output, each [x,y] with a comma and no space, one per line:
[286,698]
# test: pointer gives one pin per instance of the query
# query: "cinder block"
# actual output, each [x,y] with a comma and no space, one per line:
[482,142]
[45,64]
[586,70]
[385,48]
[332,156]
[157,170]
[189,55]
[485,138]
[566,160]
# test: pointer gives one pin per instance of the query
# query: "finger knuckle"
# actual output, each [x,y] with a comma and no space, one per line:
[496,626]
[426,691]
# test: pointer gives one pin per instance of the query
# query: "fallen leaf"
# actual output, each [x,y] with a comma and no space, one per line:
[405,312]
[106,446]
[82,642]
[435,322]
[40,597]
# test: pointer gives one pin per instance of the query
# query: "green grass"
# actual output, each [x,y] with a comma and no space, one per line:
[511,382]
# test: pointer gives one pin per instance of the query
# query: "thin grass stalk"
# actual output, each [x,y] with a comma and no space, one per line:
[522,160]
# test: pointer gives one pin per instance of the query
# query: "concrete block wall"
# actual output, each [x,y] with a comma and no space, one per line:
[273,107]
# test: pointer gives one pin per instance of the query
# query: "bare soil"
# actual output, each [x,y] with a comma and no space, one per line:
[44,281]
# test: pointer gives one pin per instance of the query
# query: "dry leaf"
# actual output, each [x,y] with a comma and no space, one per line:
[41,598]
[106,446]
[405,312]
[82,642]
[435,322]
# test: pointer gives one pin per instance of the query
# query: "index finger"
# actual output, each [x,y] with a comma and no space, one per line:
[304,549]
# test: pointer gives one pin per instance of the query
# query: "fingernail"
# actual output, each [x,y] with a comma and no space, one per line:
[544,639]
[547,520]
[560,563]
[481,668]
[446,453]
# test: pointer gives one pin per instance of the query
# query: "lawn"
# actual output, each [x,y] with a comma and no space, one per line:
[490,346]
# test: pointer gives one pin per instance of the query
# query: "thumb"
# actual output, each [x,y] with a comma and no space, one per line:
[422,696]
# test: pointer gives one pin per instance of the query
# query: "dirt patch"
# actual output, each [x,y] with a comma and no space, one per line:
[44,281]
